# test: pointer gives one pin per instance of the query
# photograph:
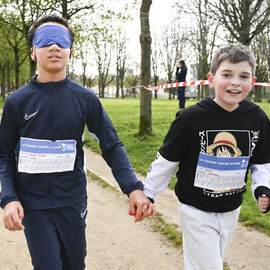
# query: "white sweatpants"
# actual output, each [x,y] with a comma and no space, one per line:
[206,236]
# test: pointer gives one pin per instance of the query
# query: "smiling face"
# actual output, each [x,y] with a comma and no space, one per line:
[232,83]
[51,60]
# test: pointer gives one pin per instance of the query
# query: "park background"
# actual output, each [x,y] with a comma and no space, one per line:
[107,60]
[107,46]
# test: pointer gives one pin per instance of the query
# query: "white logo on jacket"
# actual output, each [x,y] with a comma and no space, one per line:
[27,117]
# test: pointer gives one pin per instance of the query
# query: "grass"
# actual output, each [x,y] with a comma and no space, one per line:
[169,230]
[100,181]
[1,103]
[124,114]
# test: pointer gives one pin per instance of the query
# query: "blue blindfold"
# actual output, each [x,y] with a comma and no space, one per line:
[52,34]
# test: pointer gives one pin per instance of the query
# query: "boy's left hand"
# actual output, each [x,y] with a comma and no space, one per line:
[263,203]
[140,204]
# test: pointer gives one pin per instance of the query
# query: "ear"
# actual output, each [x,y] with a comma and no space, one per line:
[33,54]
[253,81]
[210,78]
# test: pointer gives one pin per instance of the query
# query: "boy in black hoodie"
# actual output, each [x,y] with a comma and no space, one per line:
[213,144]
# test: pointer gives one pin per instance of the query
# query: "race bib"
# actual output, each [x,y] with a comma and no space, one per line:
[45,156]
[221,173]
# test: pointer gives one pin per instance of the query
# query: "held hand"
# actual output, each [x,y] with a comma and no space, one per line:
[13,216]
[263,203]
[140,206]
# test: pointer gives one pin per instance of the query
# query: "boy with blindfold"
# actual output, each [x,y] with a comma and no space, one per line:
[42,159]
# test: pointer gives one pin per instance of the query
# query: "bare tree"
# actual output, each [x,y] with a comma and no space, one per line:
[82,47]
[71,68]
[155,58]
[173,44]
[103,50]
[146,95]
[132,78]
[202,36]
[84,65]
[90,82]
[121,57]
[244,19]
[69,8]
[260,47]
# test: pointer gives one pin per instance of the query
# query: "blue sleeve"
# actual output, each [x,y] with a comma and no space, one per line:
[112,149]
[9,137]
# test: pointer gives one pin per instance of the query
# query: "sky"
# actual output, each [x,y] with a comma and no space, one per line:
[160,15]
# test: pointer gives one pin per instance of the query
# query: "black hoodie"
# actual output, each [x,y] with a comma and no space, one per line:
[196,129]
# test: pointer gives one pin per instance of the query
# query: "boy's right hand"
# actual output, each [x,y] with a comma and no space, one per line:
[13,216]
[263,203]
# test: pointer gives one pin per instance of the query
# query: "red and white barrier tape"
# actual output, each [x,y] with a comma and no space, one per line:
[179,84]
[262,84]
[189,83]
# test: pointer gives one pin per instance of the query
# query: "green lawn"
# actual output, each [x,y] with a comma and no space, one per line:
[1,103]
[124,114]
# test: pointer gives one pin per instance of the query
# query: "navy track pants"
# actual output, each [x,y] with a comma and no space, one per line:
[56,237]
[181,91]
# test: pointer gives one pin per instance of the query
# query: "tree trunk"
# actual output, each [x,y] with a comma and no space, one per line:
[17,69]
[156,83]
[122,76]
[257,94]
[117,83]
[102,88]
[198,92]
[3,85]
[117,78]
[145,95]
[65,9]
[8,78]
[32,67]
[122,87]
[84,74]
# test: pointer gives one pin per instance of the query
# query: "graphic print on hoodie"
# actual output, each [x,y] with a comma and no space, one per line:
[222,170]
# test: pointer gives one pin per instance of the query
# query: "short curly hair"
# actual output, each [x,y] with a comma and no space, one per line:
[49,18]
[234,53]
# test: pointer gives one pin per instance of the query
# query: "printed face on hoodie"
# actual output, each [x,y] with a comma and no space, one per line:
[232,83]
